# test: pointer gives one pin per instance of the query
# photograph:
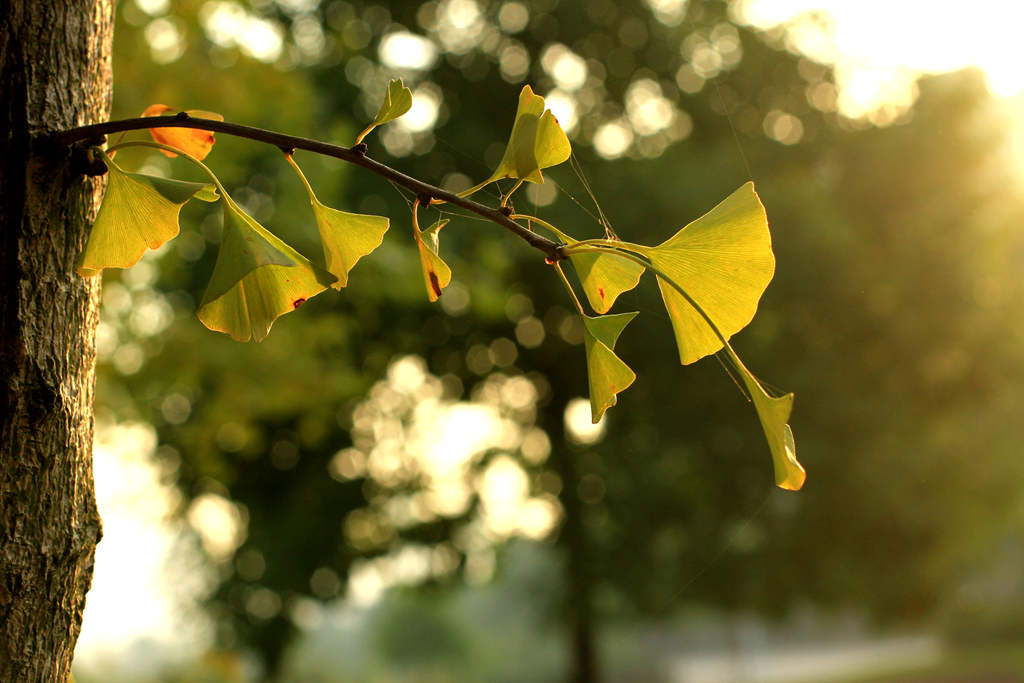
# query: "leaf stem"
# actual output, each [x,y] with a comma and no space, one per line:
[302,176]
[416,218]
[508,195]
[182,153]
[366,131]
[543,223]
[568,285]
[614,244]
[609,243]
[355,155]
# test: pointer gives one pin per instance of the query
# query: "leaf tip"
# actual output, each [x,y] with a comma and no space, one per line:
[789,474]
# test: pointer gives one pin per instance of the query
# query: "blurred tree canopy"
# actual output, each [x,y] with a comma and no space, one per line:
[892,316]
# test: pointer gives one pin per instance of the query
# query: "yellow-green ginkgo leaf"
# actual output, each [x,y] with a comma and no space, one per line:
[138,212]
[347,237]
[774,415]
[397,101]
[436,273]
[603,276]
[537,141]
[724,261]
[257,279]
[608,374]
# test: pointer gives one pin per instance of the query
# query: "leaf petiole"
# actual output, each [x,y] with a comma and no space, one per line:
[186,155]
[504,201]
[568,285]
[302,176]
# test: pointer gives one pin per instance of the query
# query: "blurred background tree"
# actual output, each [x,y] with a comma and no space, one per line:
[375,440]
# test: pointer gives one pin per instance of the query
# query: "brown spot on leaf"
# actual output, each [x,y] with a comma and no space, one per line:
[434,284]
[600,292]
[298,302]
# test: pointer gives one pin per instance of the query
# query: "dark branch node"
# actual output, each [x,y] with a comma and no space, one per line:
[182,116]
[85,161]
[424,198]
[360,149]
[506,210]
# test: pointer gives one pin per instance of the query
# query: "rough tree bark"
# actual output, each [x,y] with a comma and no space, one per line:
[55,60]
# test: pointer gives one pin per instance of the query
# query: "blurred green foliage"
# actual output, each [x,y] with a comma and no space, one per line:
[893,315]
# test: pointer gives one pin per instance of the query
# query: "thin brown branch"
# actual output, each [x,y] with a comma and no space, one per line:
[354,155]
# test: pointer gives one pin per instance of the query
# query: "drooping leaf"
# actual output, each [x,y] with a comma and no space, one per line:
[608,374]
[257,279]
[193,141]
[138,212]
[436,273]
[603,276]
[397,101]
[346,237]
[724,261]
[773,412]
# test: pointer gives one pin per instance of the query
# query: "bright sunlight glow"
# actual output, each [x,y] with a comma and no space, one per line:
[878,45]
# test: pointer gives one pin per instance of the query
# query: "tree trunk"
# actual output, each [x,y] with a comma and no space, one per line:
[55,60]
[574,542]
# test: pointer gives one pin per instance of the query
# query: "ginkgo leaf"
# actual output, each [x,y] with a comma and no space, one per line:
[436,273]
[207,194]
[346,237]
[603,276]
[257,279]
[537,141]
[608,374]
[773,413]
[138,212]
[397,101]
[193,141]
[723,261]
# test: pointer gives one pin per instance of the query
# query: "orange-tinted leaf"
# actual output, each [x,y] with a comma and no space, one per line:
[193,141]
[436,273]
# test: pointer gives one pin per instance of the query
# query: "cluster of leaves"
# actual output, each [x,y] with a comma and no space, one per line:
[711,273]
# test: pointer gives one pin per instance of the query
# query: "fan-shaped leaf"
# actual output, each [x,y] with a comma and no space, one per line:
[193,141]
[774,415]
[724,261]
[138,212]
[608,374]
[257,279]
[346,237]
[397,101]
[603,276]
[436,273]
[536,142]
